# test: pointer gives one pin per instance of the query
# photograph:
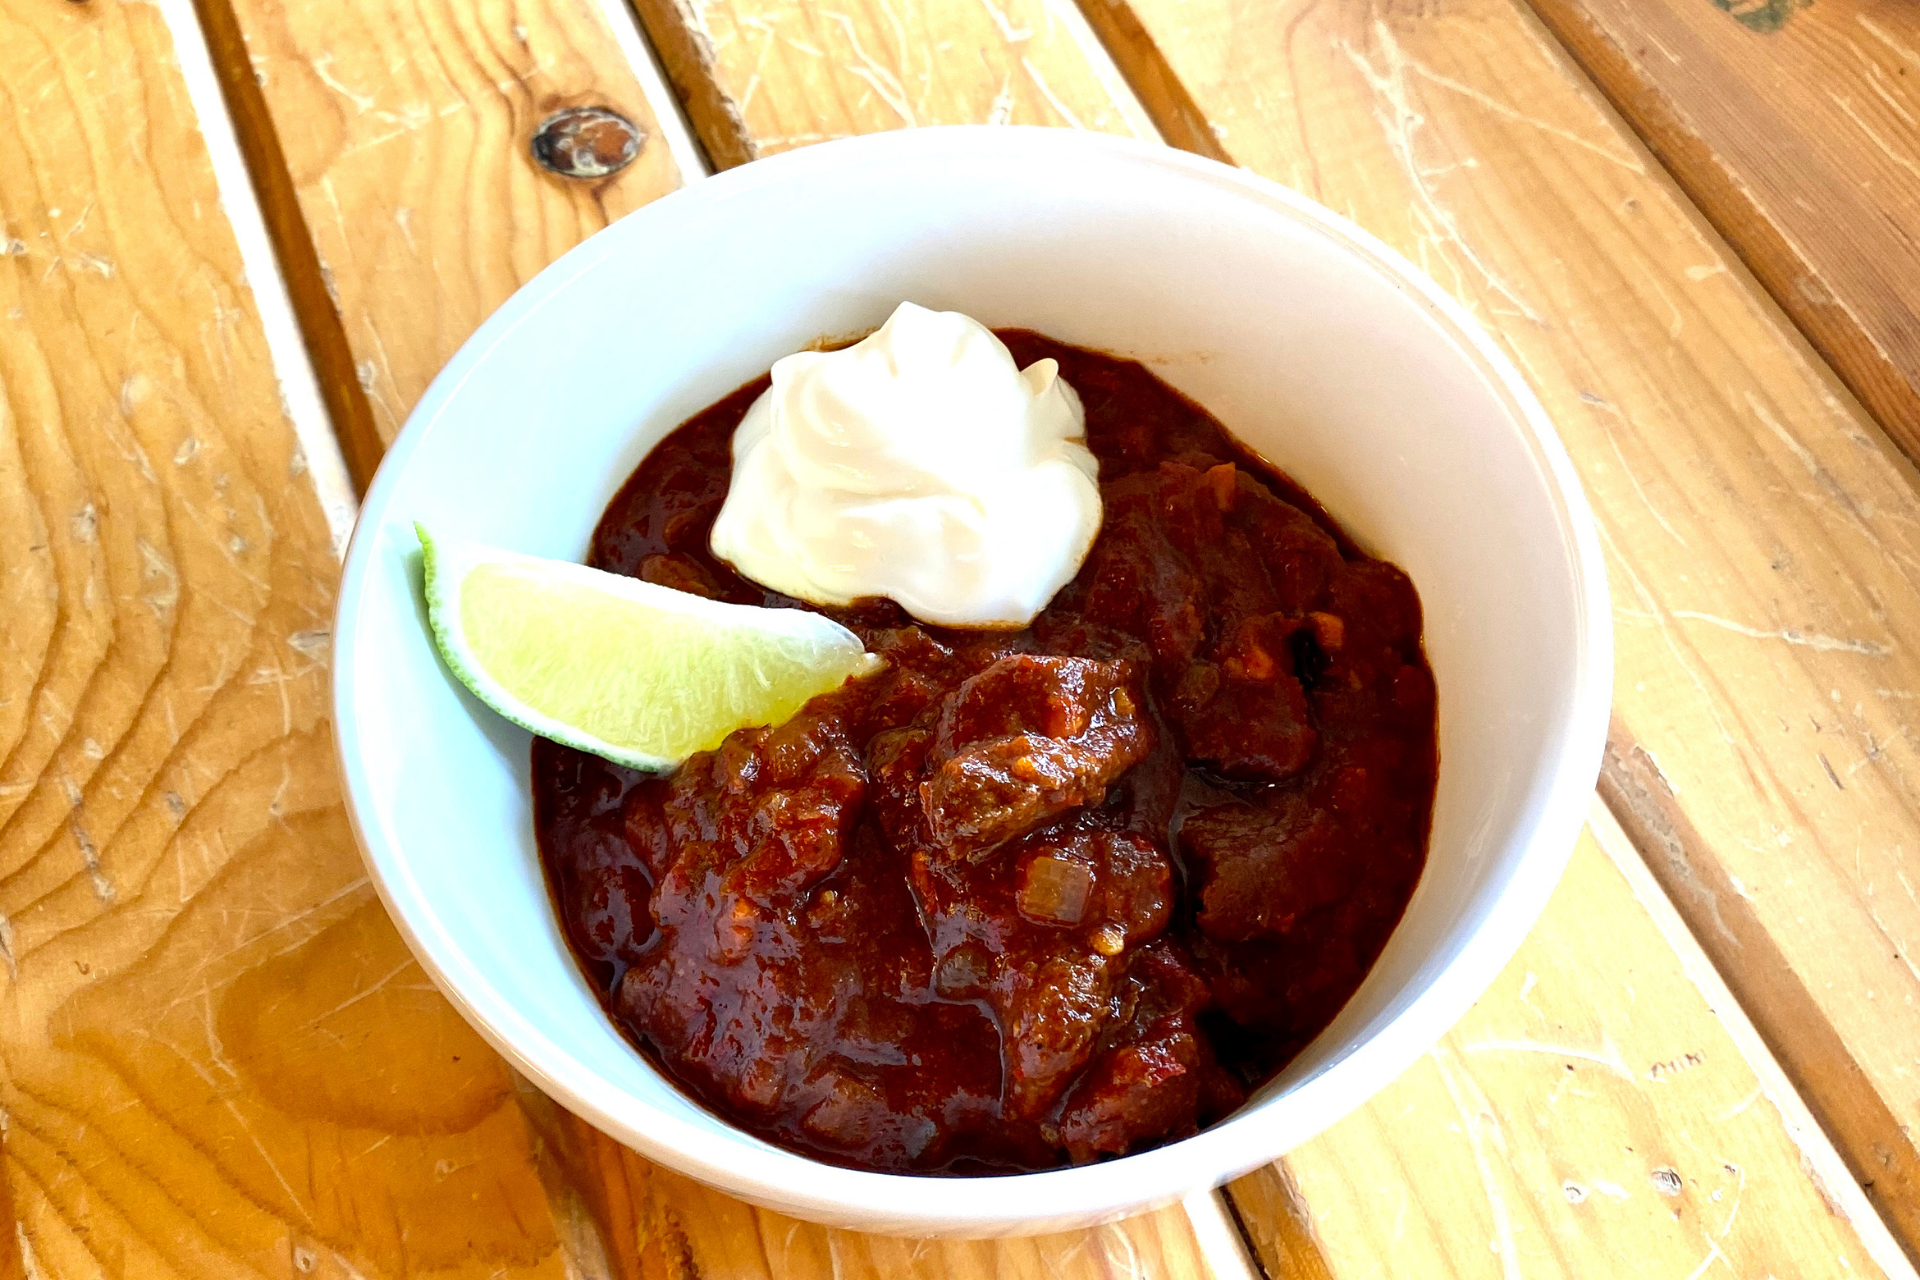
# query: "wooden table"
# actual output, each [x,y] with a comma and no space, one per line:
[237,240]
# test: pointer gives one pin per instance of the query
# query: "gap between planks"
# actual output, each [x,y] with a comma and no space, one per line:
[292,367]
[1223,1241]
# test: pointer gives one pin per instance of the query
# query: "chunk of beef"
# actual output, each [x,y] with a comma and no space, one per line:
[1379,602]
[1026,740]
[1137,581]
[1244,711]
[1049,976]
[1155,1077]
[856,1115]
[746,831]
[1261,869]
[1134,1093]
[1051,1014]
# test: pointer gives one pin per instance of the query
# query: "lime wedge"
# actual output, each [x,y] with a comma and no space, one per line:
[640,674]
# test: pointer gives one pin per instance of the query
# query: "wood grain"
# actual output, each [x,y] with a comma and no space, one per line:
[1763,536]
[1551,1133]
[392,145]
[762,76]
[1796,129]
[218,1057]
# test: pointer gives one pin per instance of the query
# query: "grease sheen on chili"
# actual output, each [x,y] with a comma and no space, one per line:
[1026,898]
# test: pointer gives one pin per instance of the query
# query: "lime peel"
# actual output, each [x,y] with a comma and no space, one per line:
[640,674]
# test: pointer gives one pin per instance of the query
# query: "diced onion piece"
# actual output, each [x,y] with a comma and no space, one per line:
[1329,629]
[1055,891]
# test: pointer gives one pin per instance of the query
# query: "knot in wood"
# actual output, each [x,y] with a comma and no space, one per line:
[587,142]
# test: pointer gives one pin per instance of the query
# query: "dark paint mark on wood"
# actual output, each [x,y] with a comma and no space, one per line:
[1764,16]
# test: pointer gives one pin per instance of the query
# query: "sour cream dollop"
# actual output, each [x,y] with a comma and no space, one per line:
[921,464]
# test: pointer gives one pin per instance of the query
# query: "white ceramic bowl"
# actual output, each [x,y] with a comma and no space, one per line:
[1314,343]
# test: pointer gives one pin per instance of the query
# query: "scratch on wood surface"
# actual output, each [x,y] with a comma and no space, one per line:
[89,852]
[246,1128]
[216,1047]
[1503,1242]
[1126,1258]
[1633,479]
[1401,121]
[1658,614]
[281,922]
[1002,109]
[1713,1255]
[1805,639]
[322,65]
[1039,82]
[769,38]
[1901,951]
[881,80]
[363,993]
[1008,32]
[1608,1055]
[29,1264]
[1627,161]
[1817,470]
[1675,321]
[1881,34]
[1739,1107]
[1877,81]
[1739,1194]
[163,579]
[1846,105]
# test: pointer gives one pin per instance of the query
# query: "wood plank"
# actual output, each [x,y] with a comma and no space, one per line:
[1796,129]
[1763,535]
[165,793]
[1545,1142]
[762,76]
[377,132]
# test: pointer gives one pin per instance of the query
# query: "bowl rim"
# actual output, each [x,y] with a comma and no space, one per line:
[946,1205]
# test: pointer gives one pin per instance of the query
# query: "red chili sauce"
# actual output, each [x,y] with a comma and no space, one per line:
[1023,898]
